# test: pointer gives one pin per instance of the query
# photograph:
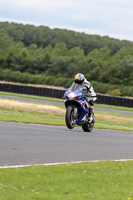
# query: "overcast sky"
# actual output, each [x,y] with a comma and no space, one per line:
[113,18]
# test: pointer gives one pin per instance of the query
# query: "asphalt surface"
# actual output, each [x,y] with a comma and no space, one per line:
[23,144]
[59,103]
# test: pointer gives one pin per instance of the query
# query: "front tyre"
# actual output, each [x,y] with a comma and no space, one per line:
[70,121]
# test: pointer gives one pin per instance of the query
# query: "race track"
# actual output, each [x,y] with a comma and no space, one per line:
[23,144]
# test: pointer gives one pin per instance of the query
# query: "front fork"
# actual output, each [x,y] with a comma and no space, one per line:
[75,113]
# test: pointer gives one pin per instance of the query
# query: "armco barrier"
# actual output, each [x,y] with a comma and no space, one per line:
[39,91]
[113,100]
[56,93]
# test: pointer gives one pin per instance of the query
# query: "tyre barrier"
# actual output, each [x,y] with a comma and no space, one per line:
[58,93]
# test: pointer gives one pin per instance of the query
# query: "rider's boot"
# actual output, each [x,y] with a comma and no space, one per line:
[90,113]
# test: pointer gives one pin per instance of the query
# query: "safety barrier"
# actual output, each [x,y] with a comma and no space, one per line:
[58,93]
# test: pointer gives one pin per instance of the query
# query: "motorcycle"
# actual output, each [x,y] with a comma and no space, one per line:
[77,108]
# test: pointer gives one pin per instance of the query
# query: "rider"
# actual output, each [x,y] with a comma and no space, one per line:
[80,79]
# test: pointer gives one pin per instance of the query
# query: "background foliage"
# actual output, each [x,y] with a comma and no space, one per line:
[41,55]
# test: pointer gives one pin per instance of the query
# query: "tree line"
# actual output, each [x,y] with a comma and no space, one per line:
[31,54]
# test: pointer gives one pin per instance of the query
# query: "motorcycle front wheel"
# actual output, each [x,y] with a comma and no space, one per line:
[70,121]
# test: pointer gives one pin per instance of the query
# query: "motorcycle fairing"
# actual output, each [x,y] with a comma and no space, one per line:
[81,103]
[83,110]
[77,92]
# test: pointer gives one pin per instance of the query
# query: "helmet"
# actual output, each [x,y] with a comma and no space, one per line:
[79,78]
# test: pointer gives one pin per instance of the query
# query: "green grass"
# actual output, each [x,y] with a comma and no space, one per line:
[104,180]
[113,125]
[11,115]
[114,107]
[20,116]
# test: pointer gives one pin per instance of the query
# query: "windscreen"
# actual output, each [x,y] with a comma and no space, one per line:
[76,86]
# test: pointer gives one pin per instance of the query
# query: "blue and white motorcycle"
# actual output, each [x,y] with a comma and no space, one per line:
[77,108]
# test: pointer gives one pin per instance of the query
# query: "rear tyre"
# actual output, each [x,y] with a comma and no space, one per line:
[70,121]
[88,127]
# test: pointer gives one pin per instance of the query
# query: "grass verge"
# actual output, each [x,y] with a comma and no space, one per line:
[21,116]
[87,181]
[25,112]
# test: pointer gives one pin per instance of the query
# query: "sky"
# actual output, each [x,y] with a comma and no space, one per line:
[113,18]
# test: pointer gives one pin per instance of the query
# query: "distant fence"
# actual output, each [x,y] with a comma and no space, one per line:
[57,93]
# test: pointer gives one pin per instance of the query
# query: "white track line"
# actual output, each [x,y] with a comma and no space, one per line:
[61,163]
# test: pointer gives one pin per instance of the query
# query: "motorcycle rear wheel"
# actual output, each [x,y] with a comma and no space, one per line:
[88,127]
[70,121]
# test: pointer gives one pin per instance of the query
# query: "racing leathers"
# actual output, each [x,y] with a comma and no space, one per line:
[92,97]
